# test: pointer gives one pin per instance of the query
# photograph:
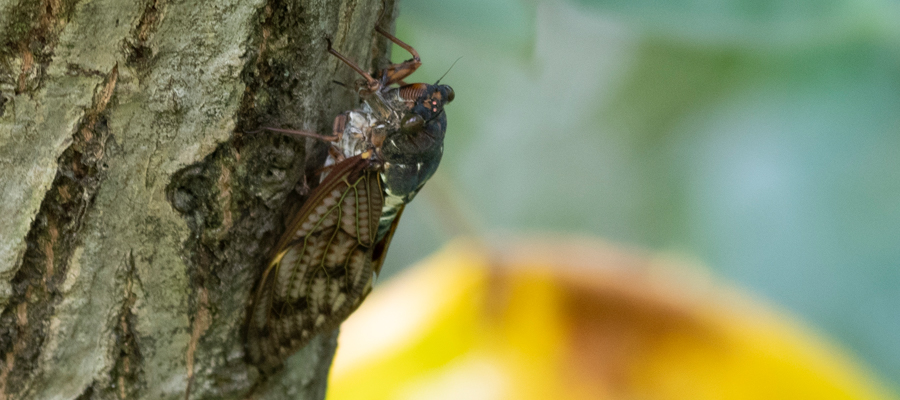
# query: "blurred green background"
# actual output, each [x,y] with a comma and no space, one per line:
[760,138]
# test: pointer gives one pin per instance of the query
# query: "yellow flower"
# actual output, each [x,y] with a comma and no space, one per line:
[578,319]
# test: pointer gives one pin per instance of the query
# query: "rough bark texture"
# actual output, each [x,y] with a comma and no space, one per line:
[135,217]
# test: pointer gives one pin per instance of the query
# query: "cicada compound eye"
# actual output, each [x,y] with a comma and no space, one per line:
[450,94]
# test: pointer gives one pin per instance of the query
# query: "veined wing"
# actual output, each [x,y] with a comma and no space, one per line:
[323,264]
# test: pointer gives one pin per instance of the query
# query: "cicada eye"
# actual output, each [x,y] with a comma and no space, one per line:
[413,122]
[450,94]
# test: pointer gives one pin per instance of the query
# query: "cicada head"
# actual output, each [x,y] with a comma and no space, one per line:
[425,109]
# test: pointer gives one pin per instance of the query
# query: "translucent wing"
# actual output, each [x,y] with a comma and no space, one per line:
[323,264]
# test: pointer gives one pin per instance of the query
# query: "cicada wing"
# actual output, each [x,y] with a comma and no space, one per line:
[381,247]
[322,265]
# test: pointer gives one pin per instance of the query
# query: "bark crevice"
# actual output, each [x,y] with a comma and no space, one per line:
[30,38]
[138,53]
[125,376]
[50,243]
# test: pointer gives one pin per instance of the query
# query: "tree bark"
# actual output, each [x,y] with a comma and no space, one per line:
[135,214]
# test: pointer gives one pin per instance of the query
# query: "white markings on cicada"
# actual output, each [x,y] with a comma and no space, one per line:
[261,310]
[363,216]
[286,268]
[377,205]
[356,265]
[338,302]
[362,225]
[348,214]
[317,290]
[330,219]
[323,216]
[295,284]
[334,288]
[297,321]
[320,320]
[282,328]
[315,250]
[339,250]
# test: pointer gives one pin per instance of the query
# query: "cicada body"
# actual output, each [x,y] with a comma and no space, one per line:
[325,263]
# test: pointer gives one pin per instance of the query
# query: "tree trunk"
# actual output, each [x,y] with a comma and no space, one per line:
[135,216]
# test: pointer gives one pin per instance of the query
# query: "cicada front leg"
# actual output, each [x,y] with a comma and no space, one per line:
[372,84]
[395,73]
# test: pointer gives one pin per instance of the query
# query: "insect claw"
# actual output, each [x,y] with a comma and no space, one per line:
[303,188]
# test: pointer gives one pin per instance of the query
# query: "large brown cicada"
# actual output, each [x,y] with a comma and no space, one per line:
[323,266]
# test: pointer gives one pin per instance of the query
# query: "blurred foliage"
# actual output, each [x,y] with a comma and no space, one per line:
[570,318]
[758,137]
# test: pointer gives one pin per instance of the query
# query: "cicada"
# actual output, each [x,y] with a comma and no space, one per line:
[323,266]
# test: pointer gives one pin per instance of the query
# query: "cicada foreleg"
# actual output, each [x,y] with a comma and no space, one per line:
[395,73]
[371,83]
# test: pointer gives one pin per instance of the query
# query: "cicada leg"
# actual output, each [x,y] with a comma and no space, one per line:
[340,123]
[303,134]
[395,73]
[337,129]
[371,82]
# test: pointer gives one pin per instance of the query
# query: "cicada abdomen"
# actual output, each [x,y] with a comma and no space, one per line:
[325,263]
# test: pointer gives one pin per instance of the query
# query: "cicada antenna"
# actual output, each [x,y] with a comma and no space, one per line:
[448,71]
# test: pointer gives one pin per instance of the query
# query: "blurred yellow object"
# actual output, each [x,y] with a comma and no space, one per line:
[578,319]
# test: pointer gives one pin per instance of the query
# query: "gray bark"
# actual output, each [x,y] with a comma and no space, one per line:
[135,214]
